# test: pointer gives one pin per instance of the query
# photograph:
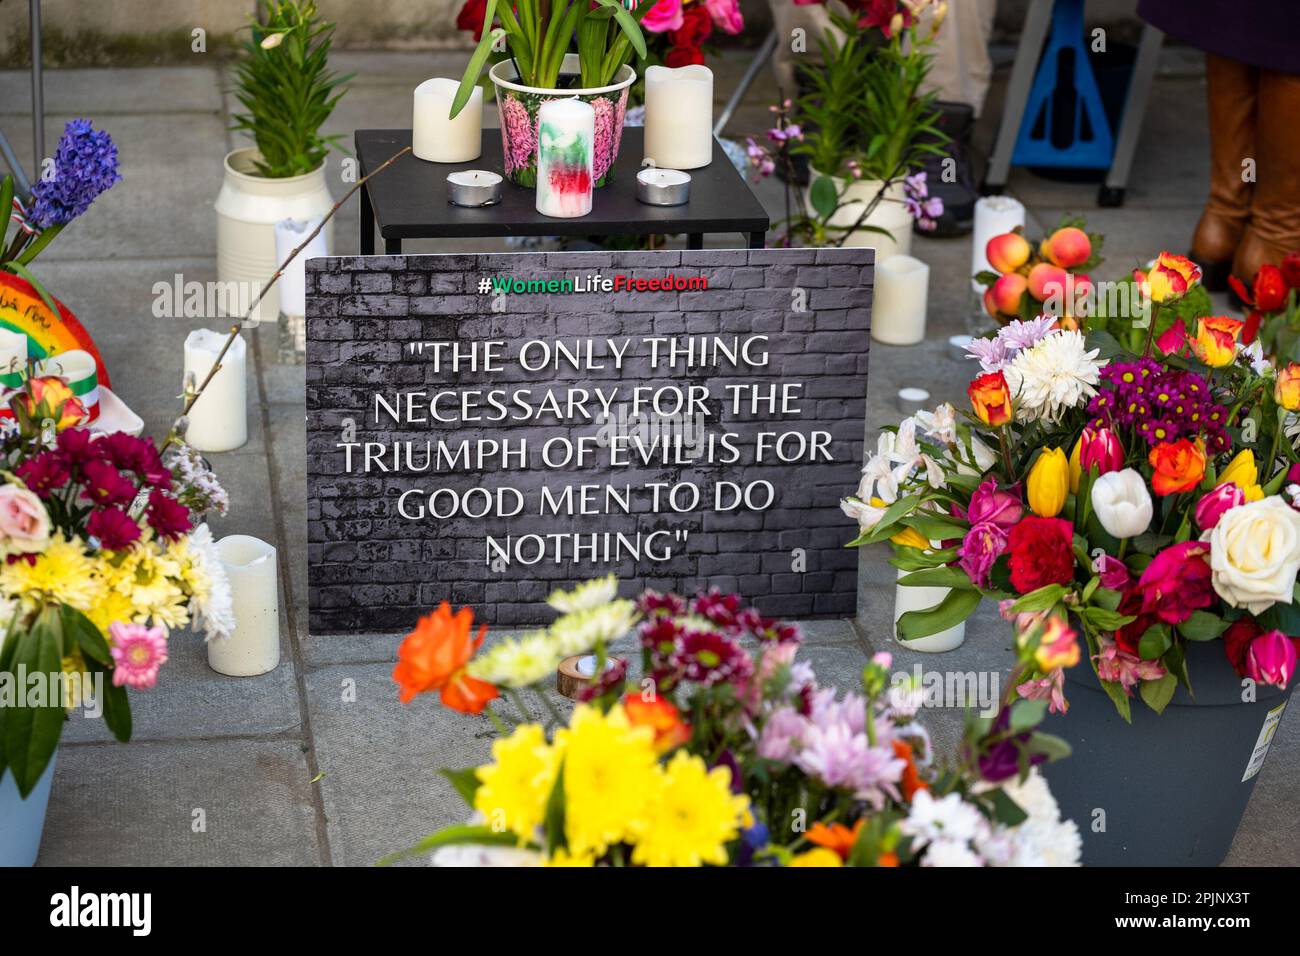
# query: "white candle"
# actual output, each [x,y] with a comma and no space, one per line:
[13,357]
[898,313]
[254,646]
[663,187]
[994,215]
[218,420]
[566,132]
[922,599]
[679,116]
[78,368]
[912,400]
[957,347]
[473,187]
[289,235]
[434,135]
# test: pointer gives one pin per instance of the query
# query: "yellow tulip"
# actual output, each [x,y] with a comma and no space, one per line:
[1048,483]
[1076,468]
[1241,471]
[1287,390]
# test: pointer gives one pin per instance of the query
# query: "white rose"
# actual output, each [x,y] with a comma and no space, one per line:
[1255,554]
[1122,503]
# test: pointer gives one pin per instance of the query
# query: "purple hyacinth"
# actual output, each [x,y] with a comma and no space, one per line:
[85,164]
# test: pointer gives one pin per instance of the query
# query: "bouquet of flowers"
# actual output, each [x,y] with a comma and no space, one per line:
[1143,499]
[102,560]
[1274,309]
[726,752]
[678,30]
[1050,279]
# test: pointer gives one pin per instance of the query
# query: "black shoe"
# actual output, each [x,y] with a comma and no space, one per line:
[958,191]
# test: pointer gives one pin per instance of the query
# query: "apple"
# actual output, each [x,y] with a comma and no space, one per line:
[990,303]
[1005,294]
[1045,280]
[1069,247]
[1007,252]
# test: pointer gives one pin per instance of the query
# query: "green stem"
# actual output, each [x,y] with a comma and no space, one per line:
[502,729]
[1151,330]
[556,718]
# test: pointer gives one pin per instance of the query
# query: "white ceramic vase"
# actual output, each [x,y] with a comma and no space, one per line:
[248,207]
[890,214]
[922,599]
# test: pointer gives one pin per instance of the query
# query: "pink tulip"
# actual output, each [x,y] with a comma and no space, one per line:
[1100,448]
[1271,659]
[1214,503]
[989,505]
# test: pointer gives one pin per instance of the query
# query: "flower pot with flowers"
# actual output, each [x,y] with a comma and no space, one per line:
[531,64]
[287,91]
[678,31]
[1147,500]
[727,752]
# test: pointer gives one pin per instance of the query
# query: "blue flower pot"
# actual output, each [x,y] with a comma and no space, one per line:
[21,821]
[1170,789]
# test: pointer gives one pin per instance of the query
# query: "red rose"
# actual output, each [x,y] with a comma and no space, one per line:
[471,17]
[696,27]
[1270,288]
[1130,635]
[683,56]
[1291,269]
[1236,642]
[1041,553]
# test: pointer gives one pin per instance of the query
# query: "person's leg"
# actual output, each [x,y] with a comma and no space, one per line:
[1230,98]
[787,18]
[1274,226]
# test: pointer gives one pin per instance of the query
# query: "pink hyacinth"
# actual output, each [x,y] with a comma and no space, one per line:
[518,134]
[603,149]
[138,652]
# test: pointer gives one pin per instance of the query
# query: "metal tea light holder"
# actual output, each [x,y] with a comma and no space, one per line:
[473,188]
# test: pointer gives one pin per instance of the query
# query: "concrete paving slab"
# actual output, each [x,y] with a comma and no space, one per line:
[138,805]
[99,93]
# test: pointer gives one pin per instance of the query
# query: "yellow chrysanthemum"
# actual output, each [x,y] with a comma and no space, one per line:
[147,577]
[191,575]
[562,857]
[112,607]
[76,683]
[692,818]
[514,788]
[610,775]
[62,573]
[818,856]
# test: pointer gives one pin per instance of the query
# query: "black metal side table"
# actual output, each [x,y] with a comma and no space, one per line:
[409,200]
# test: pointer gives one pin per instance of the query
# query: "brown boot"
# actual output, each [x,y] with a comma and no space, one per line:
[1274,228]
[1230,94]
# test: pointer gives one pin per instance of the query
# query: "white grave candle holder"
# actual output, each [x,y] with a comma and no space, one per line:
[438,138]
[254,646]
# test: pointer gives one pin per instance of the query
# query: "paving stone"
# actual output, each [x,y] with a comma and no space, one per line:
[99,93]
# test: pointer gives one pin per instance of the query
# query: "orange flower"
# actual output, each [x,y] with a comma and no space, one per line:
[836,837]
[433,657]
[991,398]
[1215,342]
[50,397]
[887,859]
[1179,466]
[911,780]
[659,715]
[1171,277]
[1287,390]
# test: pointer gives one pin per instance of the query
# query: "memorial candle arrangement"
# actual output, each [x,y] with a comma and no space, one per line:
[437,137]
[994,215]
[217,421]
[253,647]
[902,286]
[679,116]
[566,132]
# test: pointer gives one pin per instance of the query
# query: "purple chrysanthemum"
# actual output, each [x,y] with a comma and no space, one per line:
[85,164]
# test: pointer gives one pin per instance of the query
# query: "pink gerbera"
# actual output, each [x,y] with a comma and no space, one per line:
[138,652]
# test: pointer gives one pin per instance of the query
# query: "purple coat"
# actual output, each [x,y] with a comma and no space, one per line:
[1259,32]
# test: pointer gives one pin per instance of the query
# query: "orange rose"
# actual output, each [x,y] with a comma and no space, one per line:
[50,397]
[1287,390]
[836,836]
[433,657]
[911,780]
[659,715]
[991,398]
[1171,277]
[1215,342]
[1179,466]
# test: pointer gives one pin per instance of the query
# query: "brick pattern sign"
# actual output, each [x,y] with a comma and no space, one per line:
[485,428]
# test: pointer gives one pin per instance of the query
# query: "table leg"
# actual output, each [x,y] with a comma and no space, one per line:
[392,247]
[695,240]
[757,239]
[366,245]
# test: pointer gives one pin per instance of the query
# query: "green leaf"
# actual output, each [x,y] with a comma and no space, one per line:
[1027,714]
[463,833]
[31,734]
[1154,642]
[825,200]
[1039,600]
[6,208]
[885,526]
[1107,598]
[952,610]
[465,782]
[943,577]
[20,270]
[1202,626]
[117,706]
[629,25]
[476,61]
[1005,810]
[934,528]
[1115,691]
[1050,745]
[907,558]
[79,630]
[553,821]
[1158,693]
[1106,620]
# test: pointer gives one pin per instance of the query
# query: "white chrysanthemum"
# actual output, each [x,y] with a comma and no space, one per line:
[213,607]
[579,632]
[528,660]
[949,818]
[1043,839]
[946,852]
[587,595]
[1056,374]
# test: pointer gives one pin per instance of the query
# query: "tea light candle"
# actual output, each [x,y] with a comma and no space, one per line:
[13,358]
[289,234]
[217,421]
[679,116]
[663,187]
[473,187]
[566,131]
[898,315]
[922,599]
[437,137]
[994,215]
[912,400]
[254,646]
[957,347]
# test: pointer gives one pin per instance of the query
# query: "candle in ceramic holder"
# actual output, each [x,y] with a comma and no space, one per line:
[912,400]
[922,599]
[994,215]
[663,187]
[898,313]
[566,131]
[437,137]
[473,187]
[253,647]
[957,347]
[218,420]
[13,358]
[679,116]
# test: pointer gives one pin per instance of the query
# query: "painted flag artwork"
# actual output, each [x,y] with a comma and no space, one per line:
[566,132]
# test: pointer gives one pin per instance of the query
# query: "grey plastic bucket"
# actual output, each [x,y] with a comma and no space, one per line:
[22,821]
[1170,789]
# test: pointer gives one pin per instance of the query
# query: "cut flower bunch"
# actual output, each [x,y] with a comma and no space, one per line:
[726,752]
[1145,499]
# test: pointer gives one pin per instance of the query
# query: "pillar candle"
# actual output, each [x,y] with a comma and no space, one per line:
[922,599]
[218,420]
[254,645]
[437,137]
[289,234]
[994,215]
[898,313]
[13,358]
[79,369]
[679,116]
[566,131]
